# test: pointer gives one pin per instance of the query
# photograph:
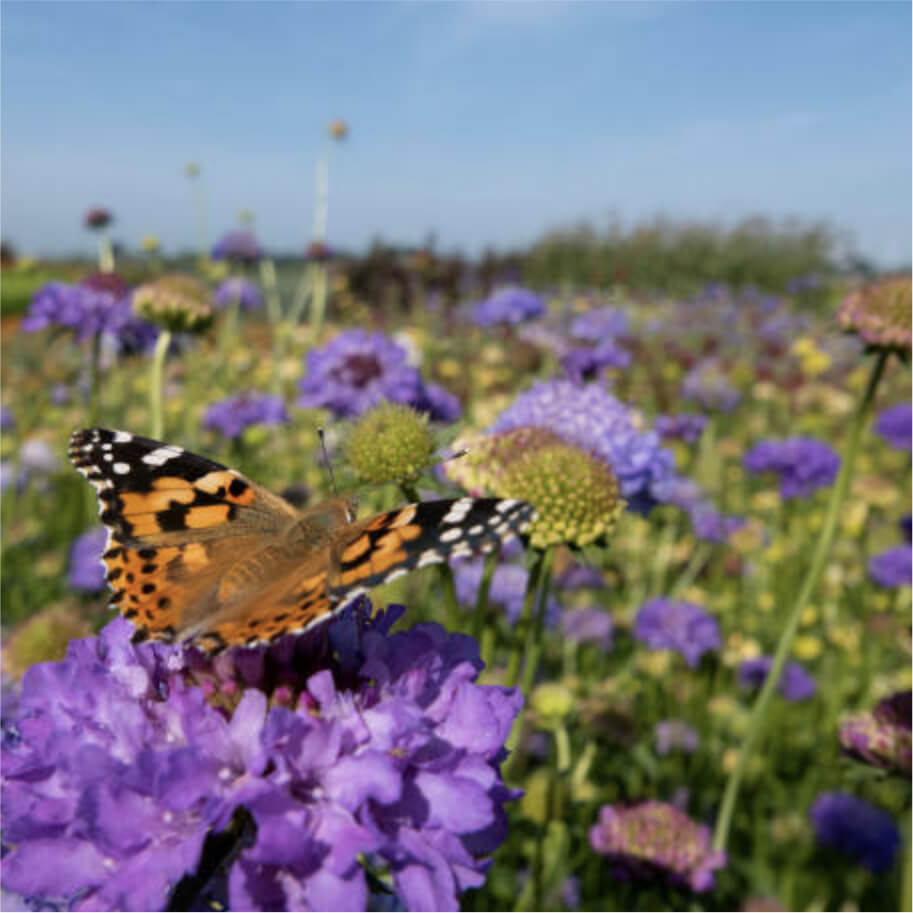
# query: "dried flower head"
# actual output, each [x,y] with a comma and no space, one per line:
[880,314]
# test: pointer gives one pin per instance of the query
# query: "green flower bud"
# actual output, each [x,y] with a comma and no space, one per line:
[391,443]
[880,314]
[552,700]
[176,303]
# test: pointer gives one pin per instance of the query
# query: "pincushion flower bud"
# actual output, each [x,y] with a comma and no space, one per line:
[880,314]
[391,443]
[881,737]
[176,303]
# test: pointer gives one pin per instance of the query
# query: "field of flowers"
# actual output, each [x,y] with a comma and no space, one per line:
[687,687]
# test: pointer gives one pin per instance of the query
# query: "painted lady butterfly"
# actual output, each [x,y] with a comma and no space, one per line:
[198,553]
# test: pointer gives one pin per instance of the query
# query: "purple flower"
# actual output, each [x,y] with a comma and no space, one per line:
[688,427]
[7,421]
[882,737]
[508,588]
[675,735]
[653,839]
[86,569]
[795,683]
[707,384]
[803,464]
[511,305]
[586,363]
[856,828]
[239,245]
[600,324]
[593,419]
[587,626]
[710,525]
[893,566]
[120,760]
[231,417]
[580,577]
[247,294]
[663,624]
[894,425]
[439,404]
[906,526]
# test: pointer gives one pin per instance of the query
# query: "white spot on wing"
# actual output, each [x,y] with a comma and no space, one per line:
[161,455]
[121,468]
[451,535]
[121,437]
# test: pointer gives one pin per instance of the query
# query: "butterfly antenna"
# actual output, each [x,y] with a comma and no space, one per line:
[326,461]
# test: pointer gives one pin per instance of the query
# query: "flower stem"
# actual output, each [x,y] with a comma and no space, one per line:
[516,656]
[157,383]
[534,641]
[481,612]
[695,565]
[819,558]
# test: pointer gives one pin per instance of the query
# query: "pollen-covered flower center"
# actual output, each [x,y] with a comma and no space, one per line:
[359,370]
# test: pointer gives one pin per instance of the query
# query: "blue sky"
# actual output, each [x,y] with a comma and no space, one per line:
[487,123]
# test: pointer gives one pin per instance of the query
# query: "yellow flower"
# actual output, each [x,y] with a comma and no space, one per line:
[766,602]
[807,646]
[809,616]
[150,244]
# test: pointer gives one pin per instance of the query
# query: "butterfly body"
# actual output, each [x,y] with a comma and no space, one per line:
[197,552]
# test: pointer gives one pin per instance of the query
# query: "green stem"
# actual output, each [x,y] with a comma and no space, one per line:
[822,551]
[534,642]
[157,383]
[105,254]
[526,614]
[695,565]
[481,611]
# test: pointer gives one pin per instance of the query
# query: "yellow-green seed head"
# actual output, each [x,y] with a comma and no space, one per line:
[176,303]
[391,443]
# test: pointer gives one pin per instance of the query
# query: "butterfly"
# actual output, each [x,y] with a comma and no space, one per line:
[198,553]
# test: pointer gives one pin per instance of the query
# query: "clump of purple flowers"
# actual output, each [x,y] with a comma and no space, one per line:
[231,417]
[665,624]
[358,370]
[507,589]
[121,760]
[653,839]
[803,464]
[584,363]
[795,683]
[882,737]
[86,570]
[892,567]
[687,427]
[240,246]
[593,419]
[599,324]
[511,305]
[856,828]
[237,289]
[895,425]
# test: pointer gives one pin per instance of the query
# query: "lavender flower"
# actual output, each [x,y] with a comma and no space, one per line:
[7,421]
[710,525]
[663,624]
[707,384]
[653,838]
[892,567]
[439,404]
[895,424]
[595,420]
[120,760]
[231,417]
[511,305]
[86,569]
[882,737]
[508,587]
[856,828]
[585,363]
[803,464]
[247,294]
[675,735]
[688,427]
[239,246]
[599,324]
[795,683]
[588,626]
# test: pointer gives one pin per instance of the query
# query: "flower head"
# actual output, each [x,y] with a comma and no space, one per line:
[7,420]
[707,384]
[97,218]
[238,246]
[511,305]
[599,324]
[803,464]
[880,314]
[664,624]
[176,302]
[687,426]
[675,735]
[122,759]
[795,683]
[86,569]
[710,525]
[231,417]
[588,626]
[338,129]
[237,289]
[390,443]
[654,838]
[586,363]
[881,737]
[892,567]
[895,425]
[856,828]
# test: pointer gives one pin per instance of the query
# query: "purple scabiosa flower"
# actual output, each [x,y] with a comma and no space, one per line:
[231,417]
[599,324]
[580,577]
[60,395]
[7,421]
[511,305]
[596,421]
[882,737]
[654,838]
[664,624]
[439,404]
[856,828]
[587,363]
[588,626]
[247,294]
[803,464]
[707,384]
[895,425]
[892,567]
[120,761]
[508,587]
[675,735]
[687,426]
[795,683]
[710,525]
[86,569]
[240,246]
